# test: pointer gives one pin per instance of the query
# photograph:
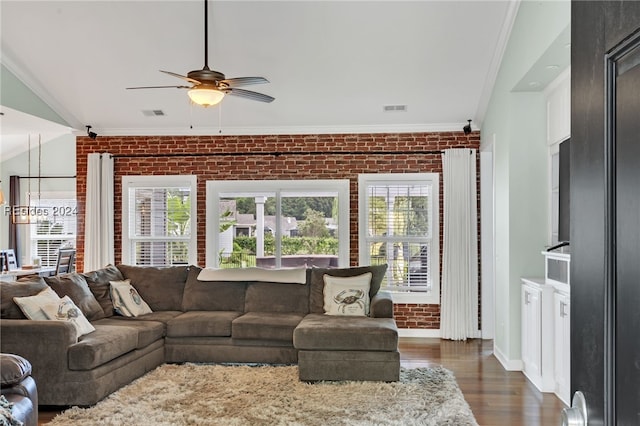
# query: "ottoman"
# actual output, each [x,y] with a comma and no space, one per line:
[347,348]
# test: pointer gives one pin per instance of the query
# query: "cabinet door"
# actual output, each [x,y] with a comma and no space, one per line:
[531,332]
[562,344]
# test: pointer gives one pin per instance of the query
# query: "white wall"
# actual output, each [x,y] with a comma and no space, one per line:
[517,123]
[58,159]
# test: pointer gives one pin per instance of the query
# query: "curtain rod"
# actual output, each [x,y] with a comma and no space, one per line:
[47,177]
[273,153]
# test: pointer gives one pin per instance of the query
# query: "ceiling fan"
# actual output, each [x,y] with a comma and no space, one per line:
[208,87]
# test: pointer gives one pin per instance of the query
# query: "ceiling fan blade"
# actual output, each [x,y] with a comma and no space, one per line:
[244,81]
[190,80]
[159,87]
[248,94]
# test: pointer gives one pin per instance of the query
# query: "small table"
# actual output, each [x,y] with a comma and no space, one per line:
[13,275]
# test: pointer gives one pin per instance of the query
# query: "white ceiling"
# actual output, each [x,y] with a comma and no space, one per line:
[332,65]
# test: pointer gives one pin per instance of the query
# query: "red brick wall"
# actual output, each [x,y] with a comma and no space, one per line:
[389,153]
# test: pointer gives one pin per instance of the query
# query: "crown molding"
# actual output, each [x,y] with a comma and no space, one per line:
[498,54]
[285,130]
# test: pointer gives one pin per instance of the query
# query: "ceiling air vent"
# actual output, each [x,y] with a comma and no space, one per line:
[152,112]
[391,108]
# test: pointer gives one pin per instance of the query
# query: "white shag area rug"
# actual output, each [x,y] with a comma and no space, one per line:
[197,394]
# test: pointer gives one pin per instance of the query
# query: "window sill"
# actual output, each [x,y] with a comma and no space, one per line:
[415,298]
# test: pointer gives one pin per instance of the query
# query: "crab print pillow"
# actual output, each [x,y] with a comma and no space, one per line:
[65,310]
[126,299]
[347,295]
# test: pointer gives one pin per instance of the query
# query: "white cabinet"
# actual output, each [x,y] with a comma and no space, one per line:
[562,343]
[531,329]
[537,333]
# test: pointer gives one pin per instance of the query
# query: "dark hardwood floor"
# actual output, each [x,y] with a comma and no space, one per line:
[497,397]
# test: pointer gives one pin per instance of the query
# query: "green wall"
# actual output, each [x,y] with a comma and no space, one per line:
[517,123]
[14,94]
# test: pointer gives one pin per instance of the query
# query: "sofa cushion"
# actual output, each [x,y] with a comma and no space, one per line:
[9,290]
[98,282]
[316,298]
[202,324]
[276,297]
[162,316]
[148,331]
[161,288]
[212,295]
[108,342]
[265,326]
[75,286]
[337,333]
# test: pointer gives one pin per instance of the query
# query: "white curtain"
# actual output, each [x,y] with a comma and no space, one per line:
[98,231]
[459,309]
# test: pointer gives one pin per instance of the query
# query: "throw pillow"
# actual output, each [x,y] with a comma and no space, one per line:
[31,306]
[66,310]
[75,286]
[348,295]
[316,280]
[126,299]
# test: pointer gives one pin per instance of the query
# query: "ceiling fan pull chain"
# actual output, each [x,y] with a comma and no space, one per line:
[191,115]
[220,119]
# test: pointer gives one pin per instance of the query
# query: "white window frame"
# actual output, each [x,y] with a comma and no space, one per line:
[166,181]
[364,181]
[40,201]
[271,188]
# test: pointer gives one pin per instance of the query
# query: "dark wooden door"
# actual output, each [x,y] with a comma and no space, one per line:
[605,209]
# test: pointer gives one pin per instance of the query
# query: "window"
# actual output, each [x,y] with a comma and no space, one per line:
[56,226]
[275,224]
[159,220]
[399,225]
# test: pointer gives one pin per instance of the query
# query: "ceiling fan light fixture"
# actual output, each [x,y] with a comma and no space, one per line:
[205,96]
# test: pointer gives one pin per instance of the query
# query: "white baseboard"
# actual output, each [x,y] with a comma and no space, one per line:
[508,364]
[427,332]
[418,332]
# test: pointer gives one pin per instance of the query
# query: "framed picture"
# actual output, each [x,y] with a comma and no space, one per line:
[10,262]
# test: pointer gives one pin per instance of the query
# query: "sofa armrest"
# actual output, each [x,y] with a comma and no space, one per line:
[43,343]
[381,305]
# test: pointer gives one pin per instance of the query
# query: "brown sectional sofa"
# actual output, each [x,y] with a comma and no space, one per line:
[195,321]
